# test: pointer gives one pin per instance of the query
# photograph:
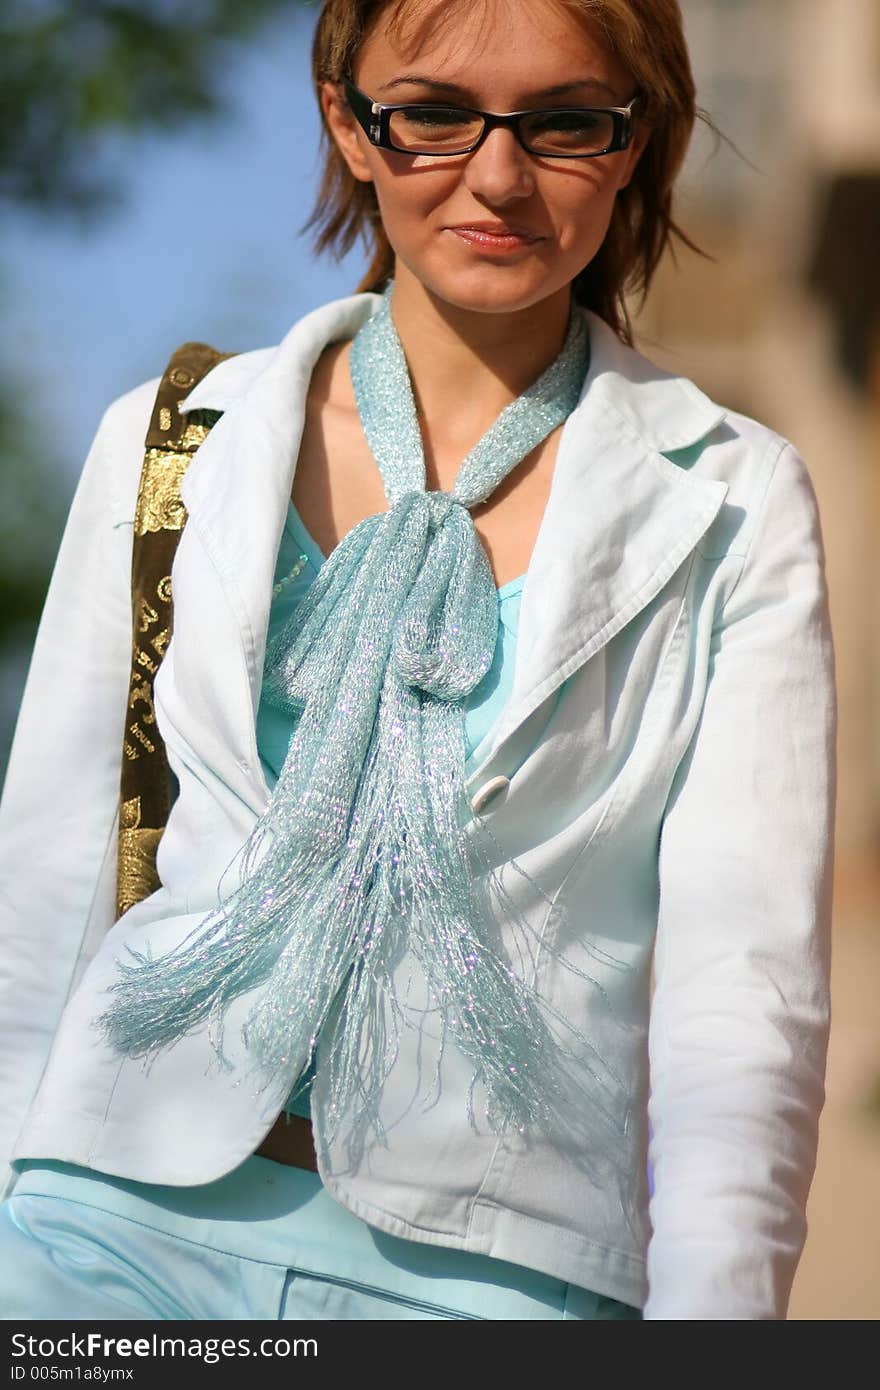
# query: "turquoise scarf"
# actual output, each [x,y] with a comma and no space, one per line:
[360,861]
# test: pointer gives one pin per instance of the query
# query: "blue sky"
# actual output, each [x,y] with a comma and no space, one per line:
[205,245]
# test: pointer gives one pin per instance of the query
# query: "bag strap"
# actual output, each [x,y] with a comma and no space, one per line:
[144,793]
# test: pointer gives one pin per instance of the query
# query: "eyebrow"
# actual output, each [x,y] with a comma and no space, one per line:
[562,88]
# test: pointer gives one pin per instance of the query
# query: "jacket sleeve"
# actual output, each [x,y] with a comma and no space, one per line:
[58,814]
[740,1013]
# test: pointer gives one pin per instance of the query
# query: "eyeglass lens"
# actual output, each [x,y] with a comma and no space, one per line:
[433,129]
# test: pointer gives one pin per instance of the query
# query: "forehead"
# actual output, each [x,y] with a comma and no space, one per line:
[465,35]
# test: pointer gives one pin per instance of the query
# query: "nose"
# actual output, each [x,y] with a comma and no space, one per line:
[500,171]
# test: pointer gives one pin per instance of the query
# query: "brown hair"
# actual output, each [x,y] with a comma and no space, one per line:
[648,38]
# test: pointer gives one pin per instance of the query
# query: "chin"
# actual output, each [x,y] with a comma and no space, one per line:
[490,289]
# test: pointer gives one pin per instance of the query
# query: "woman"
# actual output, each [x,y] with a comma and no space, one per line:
[643,755]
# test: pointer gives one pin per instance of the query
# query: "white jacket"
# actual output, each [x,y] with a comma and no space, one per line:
[682,792]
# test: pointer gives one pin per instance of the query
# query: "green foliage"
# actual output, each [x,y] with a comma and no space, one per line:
[33,506]
[70,73]
[32,513]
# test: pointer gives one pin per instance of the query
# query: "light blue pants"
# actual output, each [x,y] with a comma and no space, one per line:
[266,1241]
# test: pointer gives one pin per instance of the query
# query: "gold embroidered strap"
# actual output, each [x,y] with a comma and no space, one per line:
[160,516]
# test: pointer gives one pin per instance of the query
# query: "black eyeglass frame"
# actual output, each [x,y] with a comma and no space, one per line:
[374,118]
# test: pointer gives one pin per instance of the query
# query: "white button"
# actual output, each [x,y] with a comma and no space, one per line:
[487,791]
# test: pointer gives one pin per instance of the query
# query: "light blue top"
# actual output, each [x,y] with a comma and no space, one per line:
[299,560]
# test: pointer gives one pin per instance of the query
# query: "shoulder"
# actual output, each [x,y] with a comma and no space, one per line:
[117,450]
[673,415]
[762,470]
[120,440]
[703,439]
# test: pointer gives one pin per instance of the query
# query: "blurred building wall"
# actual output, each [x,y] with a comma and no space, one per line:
[783,324]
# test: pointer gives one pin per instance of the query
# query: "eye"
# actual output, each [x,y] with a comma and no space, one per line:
[566,122]
[434,117]
[427,128]
[569,131]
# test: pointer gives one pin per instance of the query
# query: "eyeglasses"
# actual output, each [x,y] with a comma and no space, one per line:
[562,132]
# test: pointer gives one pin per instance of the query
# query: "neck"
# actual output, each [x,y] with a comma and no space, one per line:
[465,365]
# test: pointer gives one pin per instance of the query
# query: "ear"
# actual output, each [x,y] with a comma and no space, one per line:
[345,130]
[641,135]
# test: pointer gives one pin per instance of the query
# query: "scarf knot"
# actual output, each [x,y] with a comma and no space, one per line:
[444,639]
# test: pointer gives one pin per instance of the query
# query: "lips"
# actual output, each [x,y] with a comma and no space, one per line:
[495,238]
[500,230]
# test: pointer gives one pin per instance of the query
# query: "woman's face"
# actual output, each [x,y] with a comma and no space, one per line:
[496,55]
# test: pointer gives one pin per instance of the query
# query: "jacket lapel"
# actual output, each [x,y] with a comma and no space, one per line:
[619,520]
[620,517]
[237,488]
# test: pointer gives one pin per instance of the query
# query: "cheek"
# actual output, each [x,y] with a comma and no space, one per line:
[412,194]
[582,212]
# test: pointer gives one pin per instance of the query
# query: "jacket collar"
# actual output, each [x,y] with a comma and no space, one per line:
[667,412]
[619,520]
